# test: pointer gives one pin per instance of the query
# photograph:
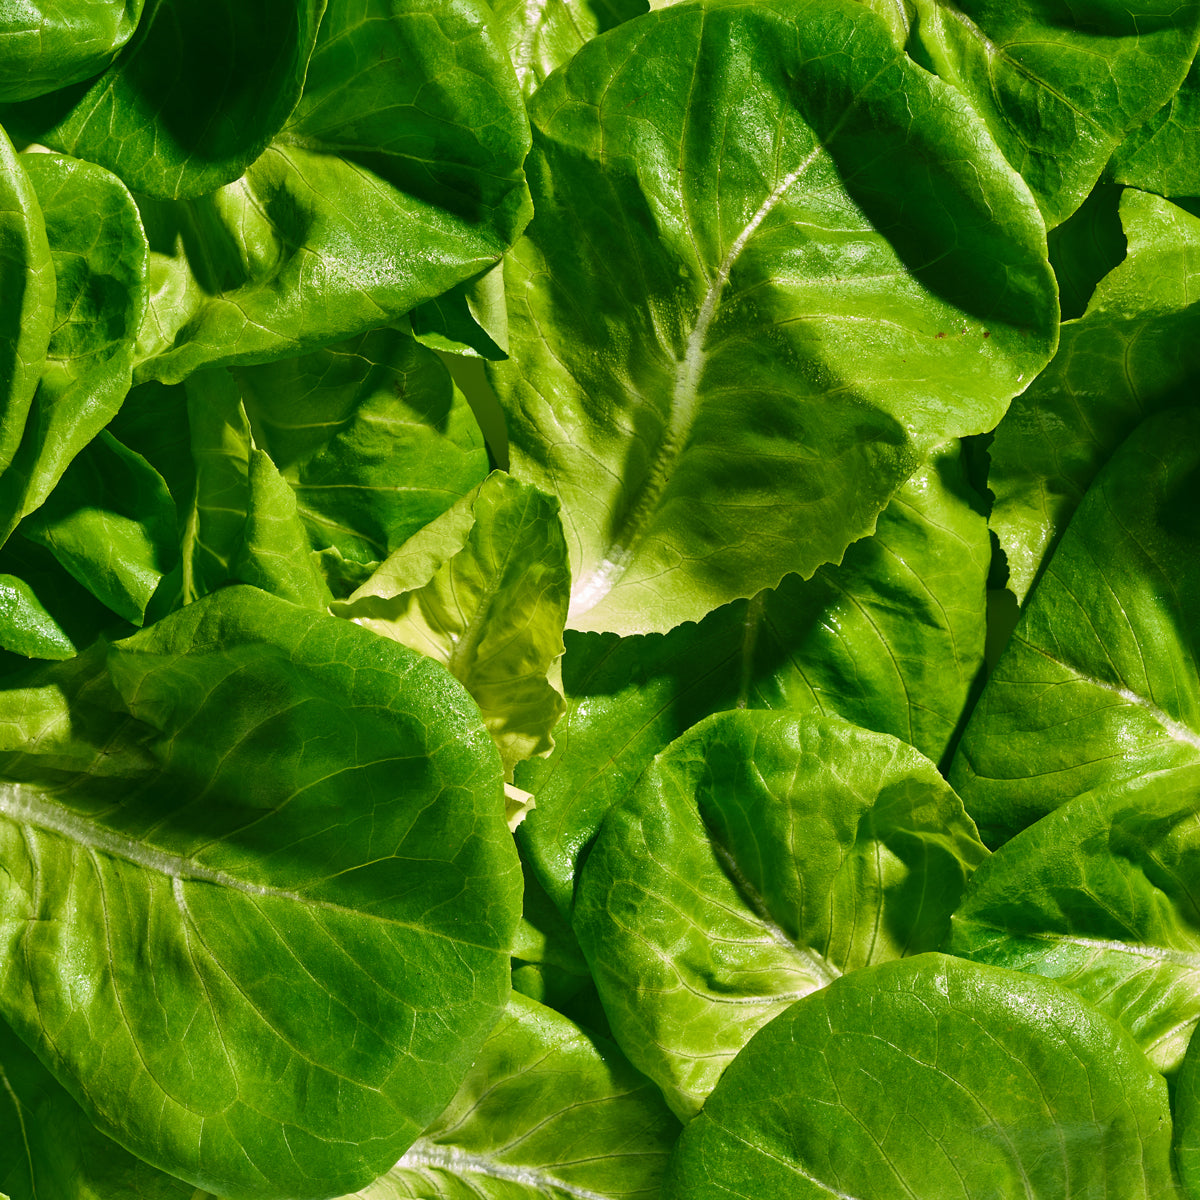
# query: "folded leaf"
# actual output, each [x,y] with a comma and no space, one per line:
[1101,896]
[98,250]
[241,525]
[891,639]
[110,522]
[50,44]
[26,297]
[546,1110]
[493,613]
[372,435]
[1135,351]
[1060,89]
[735,336]
[398,175]
[258,892]
[933,1077]
[26,627]
[1099,683]
[193,99]
[758,858]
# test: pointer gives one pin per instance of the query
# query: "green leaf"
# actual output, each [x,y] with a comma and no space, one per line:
[1059,89]
[49,44]
[398,176]
[242,524]
[933,1077]
[1163,155]
[1187,1120]
[48,1147]
[26,297]
[493,613]
[25,625]
[759,857]
[545,1111]
[1135,351]
[372,435]
[1099,682]
[282,888]
[98,250]
[191,102]
[1101,895]
[110,522]
[543,35]
[739,325]
[891,639]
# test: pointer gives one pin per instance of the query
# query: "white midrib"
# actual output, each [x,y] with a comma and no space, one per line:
[523,55]
[459,1162]
[25,808]
[685,394]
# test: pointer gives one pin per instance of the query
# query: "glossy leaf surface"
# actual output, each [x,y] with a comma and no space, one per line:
[545,1111]
[1099,683]
[98,251]
[738,326]
[1059,89]
[985,1083]
[761,856]
[295,831]
[193,99]
[840,643]
[1101,895]
[1135,350]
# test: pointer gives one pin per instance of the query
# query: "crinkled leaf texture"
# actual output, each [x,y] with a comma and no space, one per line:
[546,1110]
[492,610]
[774,263]
[1135,350]
[929,1077]
[1099,682]
[891,638]
[258,894]
[761,856]
[1101,894]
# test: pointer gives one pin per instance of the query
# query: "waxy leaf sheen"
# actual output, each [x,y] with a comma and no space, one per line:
[774,263]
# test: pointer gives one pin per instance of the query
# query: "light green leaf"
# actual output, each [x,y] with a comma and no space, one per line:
[398,176]
[892,639]
[26,297]
[470,319]
[1060,88]
[1101,896]
[192,100]
[1136,350]
[110,522]
[543,34]
[282,888]
[48,1147]
[98,250]
[1163,155]
[1099,682]
[242,524]
[546,1111]
[50,44]
[1187,1120]
[739,325]
[372,435]
[759,857]
[933,1077]
[493,613]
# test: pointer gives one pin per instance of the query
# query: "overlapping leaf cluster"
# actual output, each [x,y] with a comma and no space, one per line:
[654,798]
